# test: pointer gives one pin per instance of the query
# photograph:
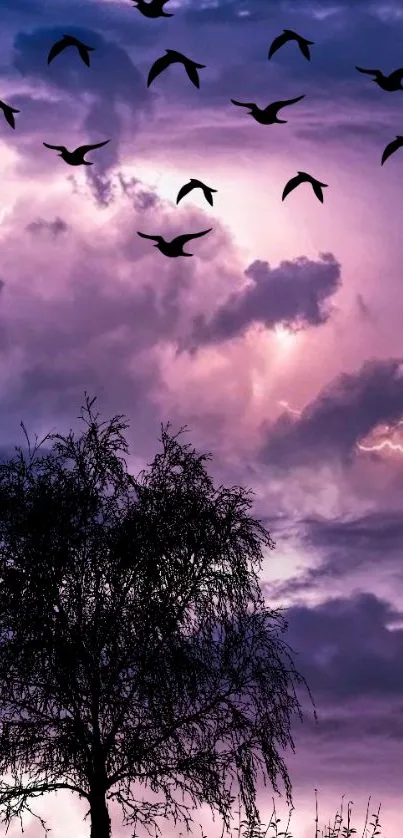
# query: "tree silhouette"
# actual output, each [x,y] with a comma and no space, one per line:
[134,636]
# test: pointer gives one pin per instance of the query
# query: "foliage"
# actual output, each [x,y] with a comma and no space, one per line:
[135,639]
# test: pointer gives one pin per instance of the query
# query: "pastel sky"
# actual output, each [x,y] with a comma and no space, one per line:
[279,344]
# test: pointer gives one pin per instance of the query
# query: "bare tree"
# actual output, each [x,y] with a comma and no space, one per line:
[135,642]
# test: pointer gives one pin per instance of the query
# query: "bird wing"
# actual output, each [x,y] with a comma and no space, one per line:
[317,188]
[181,240]
[184,191]
[84,55]
[56,147]
[159,66]
[289,101]
[84,148]
[391,148]
[208,193]
[397,75]
[295,181]
[9,113]
[192,72]
[278,42]
[243,104]
[58,47]
[144,236]
[303,45]
[370,72]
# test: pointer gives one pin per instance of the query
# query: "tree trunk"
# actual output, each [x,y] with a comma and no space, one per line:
[100,820]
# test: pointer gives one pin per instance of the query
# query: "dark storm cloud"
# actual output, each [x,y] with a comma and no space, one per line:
[55,227]
[113,73]
[142,199]
[102,188]
[343,413]
[77,345]
[370,534]
[295,293]
[111,81]
[345,649]
[346,547]
[354,35]
[242,11]
[117,20]
[103,330]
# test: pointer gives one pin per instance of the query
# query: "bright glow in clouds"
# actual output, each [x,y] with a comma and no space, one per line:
[165,182]
[285,338]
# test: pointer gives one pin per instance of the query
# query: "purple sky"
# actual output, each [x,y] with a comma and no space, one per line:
[280,344]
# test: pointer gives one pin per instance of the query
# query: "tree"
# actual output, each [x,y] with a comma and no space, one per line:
[134,636]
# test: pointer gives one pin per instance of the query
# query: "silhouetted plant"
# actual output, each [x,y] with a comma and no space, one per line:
[133,631]
[256,831]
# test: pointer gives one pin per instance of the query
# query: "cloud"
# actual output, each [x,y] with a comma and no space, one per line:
[67,71]
[346,650]
[143,199]
[295,293]
[88,302]
[343,413]
[55,227]
[369,534]
[345,547]
[97,92]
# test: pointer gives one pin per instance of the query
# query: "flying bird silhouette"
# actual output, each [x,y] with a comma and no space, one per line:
[174,247]
[391,82]
[289,35]
[267,116]
[171,57]
[196,184]
[303,177]
[153,9]
[392,147]
[76,157]
[70,41]
[9,113]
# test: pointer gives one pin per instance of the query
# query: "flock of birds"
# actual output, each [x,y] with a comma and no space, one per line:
[264,116]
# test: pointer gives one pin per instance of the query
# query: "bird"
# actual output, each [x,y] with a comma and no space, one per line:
[9,113]
[267,116]
[196,184]
[391,82]
[289,35]
[171,57]
[152,9]
[303,177]
[392,147]
[76,157]
[175,246]
[70,41]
